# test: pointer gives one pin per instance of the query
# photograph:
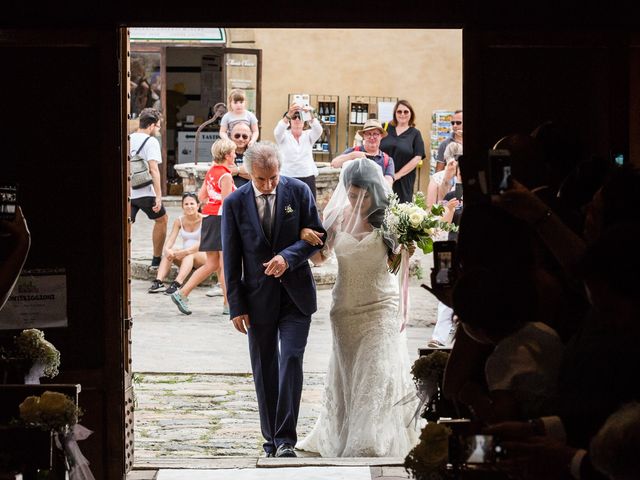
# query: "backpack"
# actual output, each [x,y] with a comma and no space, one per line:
[139,168]
[384,155]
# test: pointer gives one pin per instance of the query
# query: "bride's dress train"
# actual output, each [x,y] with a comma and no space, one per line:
[369,369]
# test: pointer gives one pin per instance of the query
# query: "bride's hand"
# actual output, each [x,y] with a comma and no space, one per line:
[411,248]
[312,237]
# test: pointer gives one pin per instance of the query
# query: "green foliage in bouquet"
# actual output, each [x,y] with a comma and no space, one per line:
[32,346]
[50,411]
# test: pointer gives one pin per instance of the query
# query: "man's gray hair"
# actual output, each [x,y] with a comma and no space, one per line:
[614,450]
[263,154]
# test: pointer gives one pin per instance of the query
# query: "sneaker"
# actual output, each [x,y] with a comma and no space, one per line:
[216,291]
[172,288]
[157,286]
[155,261]
[181,302]
[225,310]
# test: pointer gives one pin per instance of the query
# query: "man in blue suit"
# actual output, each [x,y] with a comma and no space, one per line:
[270,287]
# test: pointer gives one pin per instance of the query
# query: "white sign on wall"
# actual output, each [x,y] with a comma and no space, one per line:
[38,300]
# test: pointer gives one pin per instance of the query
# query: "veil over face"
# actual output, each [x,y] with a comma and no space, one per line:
[358,203]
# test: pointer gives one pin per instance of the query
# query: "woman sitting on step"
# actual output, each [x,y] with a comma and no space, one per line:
[187,227]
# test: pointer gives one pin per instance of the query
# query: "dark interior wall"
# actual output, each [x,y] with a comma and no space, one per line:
[515,82]
[61,132]
[53,156]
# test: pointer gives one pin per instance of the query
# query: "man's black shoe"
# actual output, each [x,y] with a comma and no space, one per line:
[270,455]
[285,450]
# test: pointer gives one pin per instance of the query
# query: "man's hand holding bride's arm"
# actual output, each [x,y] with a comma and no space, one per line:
[314,238]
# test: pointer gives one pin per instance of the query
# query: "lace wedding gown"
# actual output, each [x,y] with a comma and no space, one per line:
[369,368]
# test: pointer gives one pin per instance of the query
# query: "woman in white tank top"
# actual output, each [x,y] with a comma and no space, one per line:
[187,227]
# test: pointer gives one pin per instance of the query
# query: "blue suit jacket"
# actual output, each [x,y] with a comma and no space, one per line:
[245,248]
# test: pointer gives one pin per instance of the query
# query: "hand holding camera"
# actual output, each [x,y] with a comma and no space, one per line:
[521,203]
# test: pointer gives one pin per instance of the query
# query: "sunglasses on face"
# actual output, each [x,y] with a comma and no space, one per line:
[244,136]
[403,112]
[456,122]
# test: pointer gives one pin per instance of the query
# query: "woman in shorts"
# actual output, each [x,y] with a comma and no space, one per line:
[217,185]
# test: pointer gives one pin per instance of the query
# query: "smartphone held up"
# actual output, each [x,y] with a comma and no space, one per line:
[444,263]
[8,202]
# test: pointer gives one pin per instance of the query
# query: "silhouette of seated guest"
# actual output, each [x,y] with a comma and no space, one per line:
[497,308]
[600,369]
[614,450]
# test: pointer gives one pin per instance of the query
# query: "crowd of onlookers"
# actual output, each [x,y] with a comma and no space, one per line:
[194,242]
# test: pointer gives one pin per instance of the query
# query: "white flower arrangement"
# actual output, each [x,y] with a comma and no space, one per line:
[32,347]
[411,223]
[288,210]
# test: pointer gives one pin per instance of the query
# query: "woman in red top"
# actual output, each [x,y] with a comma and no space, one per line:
[217,185]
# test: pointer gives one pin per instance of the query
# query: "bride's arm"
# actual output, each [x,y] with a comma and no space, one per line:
[313,237]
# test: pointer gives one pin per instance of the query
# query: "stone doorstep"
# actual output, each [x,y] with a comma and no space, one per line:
[263,462]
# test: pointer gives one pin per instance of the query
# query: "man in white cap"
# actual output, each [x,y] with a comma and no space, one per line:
[372,133]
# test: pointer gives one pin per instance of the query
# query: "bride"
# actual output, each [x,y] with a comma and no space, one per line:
[369,367]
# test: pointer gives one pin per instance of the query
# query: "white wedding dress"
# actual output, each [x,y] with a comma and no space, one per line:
[369,369]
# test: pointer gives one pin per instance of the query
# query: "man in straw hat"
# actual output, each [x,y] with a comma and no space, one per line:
[371,133]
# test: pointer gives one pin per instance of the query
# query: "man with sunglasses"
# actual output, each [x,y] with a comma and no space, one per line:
[241,135]
[456,136]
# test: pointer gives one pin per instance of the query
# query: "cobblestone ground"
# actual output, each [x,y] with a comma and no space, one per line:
[206,415]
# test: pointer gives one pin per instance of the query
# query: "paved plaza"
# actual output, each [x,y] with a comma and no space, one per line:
[195,403]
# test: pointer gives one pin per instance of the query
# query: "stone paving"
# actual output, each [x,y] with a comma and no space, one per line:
[195,402]
[206,415]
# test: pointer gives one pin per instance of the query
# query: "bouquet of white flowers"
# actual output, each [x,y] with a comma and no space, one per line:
[411,223]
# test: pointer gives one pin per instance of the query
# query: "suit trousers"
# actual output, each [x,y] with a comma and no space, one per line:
[277,349]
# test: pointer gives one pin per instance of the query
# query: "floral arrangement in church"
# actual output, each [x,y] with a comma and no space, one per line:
[428,459]
[58,413]
[411,223]
[428,374]
[50,411]
[429,367]
[32,347]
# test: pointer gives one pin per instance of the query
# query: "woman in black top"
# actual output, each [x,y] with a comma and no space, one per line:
[405,145]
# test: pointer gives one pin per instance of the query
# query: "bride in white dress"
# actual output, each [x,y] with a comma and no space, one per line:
[369,368]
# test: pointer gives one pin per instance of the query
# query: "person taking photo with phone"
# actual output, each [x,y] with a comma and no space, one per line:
[295,138]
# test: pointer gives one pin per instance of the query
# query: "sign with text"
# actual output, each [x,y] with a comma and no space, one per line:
[38,300]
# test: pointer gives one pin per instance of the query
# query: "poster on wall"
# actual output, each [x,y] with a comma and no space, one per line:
[38,300]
